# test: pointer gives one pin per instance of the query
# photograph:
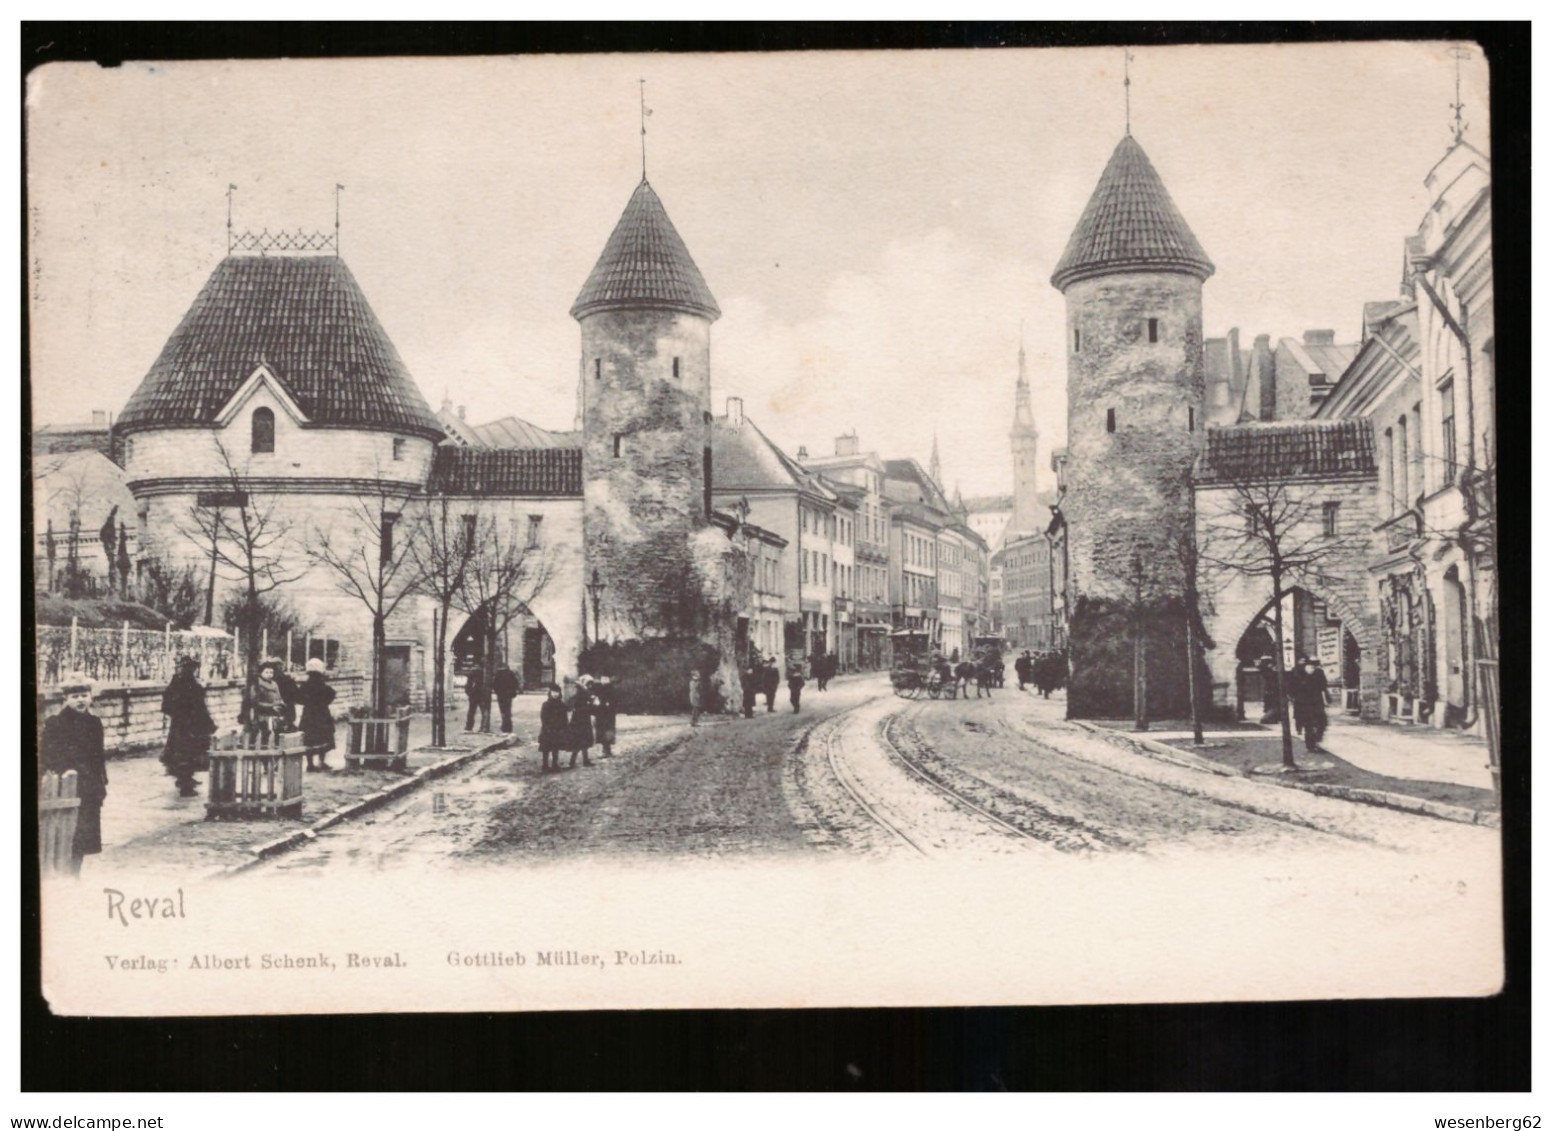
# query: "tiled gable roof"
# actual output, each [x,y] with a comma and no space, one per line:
[551,472]
[1130,224]
[1287,450]
[645,264]
[743,458]
[304,319]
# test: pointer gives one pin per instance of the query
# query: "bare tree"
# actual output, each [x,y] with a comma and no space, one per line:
[371,563]
[250,543]
[1264,529]
[508,569]
[443,547]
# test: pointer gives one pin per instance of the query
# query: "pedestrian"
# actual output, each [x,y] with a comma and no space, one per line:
[832,665]
[108,537]
[72,740]
[580,729]
[287,687]
[189,727]
[479,700]
[267,704]
[553,729]
[696,693]
[506,685]
[770,682]
[1021,666]
[1307,691]
[751,679]
[795,686]
[604,715]
[316,698]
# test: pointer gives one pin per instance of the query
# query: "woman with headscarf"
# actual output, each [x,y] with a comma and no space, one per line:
[315,696]
[189,727]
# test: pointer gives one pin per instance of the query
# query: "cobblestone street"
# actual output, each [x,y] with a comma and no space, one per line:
[861,772]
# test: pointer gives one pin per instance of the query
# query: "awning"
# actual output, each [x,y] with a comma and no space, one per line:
[874,627]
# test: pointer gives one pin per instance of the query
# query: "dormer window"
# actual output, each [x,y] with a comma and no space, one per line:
[263,431]
[598,368]
[398,447]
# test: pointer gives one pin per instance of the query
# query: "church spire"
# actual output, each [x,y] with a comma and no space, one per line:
[935,469]
[1023,415]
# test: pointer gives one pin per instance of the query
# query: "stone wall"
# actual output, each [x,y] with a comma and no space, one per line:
[1232,600]
[132,717]
[644,504]
[1128,487]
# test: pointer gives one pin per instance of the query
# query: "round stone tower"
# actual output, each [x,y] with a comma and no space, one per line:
[645,389]
[1132,276]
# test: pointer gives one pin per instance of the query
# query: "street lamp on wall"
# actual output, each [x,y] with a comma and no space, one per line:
[595,590]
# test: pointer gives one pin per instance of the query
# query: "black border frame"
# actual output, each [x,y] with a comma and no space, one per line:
[1403,1045]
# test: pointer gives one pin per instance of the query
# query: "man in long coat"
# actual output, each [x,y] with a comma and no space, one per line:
[506,685]
[1307,691]
[771,684]
[189,727]
[72,740]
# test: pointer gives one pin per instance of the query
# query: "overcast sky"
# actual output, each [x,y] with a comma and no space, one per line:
[875,226]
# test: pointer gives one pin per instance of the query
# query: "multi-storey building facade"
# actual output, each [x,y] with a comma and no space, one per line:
[861,476]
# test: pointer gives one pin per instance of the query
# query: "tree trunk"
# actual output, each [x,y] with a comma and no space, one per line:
[490,670]
[439,683]
[1196,704]
[1282,682]
[1140,668]
[379,691]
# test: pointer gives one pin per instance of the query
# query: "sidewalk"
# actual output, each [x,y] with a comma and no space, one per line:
[1419,769]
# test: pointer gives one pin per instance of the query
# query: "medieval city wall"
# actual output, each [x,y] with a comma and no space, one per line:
[1128,488]
[1232,600]
[643,505]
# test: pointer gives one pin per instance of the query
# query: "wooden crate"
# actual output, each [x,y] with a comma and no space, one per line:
[256,775]
[379,744]
[58,809]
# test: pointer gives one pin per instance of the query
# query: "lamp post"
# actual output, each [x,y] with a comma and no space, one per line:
[595,590]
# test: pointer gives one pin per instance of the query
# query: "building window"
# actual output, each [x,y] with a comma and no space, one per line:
[619,439]
[398,447]
[129,449]
[1077,340]
[1190,419]
[598,368]
[470,528]
[533,529]
[1403,465]
[1447,427]
[1110,420]
[1328,512]
[676,368]
[385,546]
[263,431]
[1153,329]
[1388,458]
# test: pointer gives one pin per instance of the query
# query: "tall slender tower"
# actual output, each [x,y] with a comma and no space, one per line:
[1024,440]
[1132,276]
[645,314]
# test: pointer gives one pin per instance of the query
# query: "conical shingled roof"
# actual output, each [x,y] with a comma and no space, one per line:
[645,264]
[1130,224]
[306,321]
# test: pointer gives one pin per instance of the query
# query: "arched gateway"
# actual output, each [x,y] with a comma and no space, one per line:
[1315,479]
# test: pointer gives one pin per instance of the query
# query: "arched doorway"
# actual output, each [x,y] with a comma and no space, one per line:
[522,643]
[1311,627]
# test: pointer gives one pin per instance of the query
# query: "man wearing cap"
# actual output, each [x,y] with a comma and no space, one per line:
[506,685]
[1307,691]
[72,740]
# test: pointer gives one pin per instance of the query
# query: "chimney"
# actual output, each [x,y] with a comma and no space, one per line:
[99,418]
[802,453]
[461,410]
[1320,337]
[846,445]
[735,411]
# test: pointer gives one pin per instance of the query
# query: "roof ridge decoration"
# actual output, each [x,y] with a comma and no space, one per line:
[307,322]
[1130,223]
[645,264]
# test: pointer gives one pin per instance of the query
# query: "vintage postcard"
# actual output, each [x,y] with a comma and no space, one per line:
[831,528]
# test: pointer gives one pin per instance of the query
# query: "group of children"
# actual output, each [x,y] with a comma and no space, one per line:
[588,718]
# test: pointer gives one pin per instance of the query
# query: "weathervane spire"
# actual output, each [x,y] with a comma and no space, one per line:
[1458,106]
[644,113]
[338,188]
[230,189]
[1127,86]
